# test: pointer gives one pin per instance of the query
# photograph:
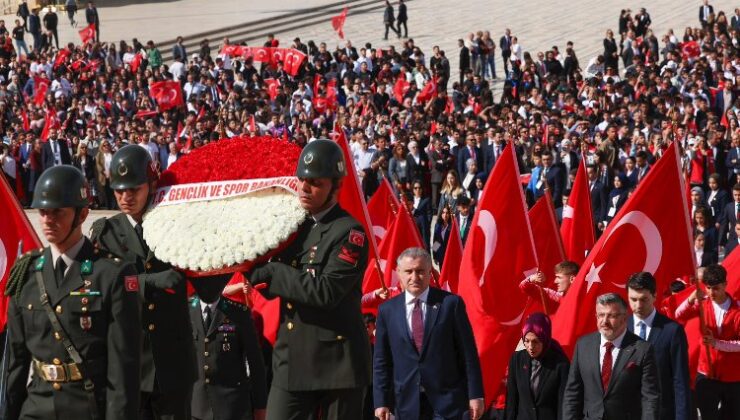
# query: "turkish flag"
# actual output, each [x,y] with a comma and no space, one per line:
[732,265]
[337,22]
[650,233]
[690,49]
[61,57]
[145,113]
[16,236]
[272,87]
[51,121]
[136,62]
[403,234]
[498,255]
[450,275]
[331,94]
[549,246]
[87,34]
[428,92]
[350,195]
[24,118]
[382,207]
[168,94]
[400,88]
[276,56]
[252,124]
[293,60]
[577,227]
[262,54]
[232,50]
[692,328]
[41,87]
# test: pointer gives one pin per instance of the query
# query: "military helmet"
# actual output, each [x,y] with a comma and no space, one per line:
[130,167]
[321,159]
[59,187]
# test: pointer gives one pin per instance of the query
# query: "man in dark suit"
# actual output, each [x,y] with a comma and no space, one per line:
[470,151]
[91,15]
[493,151]
[732,161]
[55,152]
[402,18]
[552,177]
[613,374]
[231,371]
[731,245]
[704,11]
[421,209]
[669,342]
[417,163]
[598,194]
[728,219]
[505,44]
[464,59]
[426,363]
[464,217]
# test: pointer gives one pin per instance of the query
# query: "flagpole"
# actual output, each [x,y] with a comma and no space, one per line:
[703,326]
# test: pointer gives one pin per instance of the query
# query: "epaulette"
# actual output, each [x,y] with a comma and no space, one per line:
[97,228]
[226,303]
[17,277]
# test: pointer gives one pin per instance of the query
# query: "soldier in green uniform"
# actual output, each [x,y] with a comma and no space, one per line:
[321,359]
[72,319]
[231,371]
[167,360]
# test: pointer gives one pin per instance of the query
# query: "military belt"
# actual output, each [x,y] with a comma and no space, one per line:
[65,372]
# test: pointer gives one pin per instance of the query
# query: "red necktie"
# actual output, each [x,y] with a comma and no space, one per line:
[417,325]
[606,366]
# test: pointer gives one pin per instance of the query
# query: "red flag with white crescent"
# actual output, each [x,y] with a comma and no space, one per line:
[272,87]
[51,121]
[651,232]
[429,91]
[577,227]
[136,62]
[400,88]
[549,246]
[87,34]
[16,234]
[499,253]
[262,54]
[168,94]
[382,207]
[337,22]
[41,87]
[293,60]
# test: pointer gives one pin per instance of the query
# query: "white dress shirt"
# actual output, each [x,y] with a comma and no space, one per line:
[68,256]
[648,323]
[410,307]
[203,309]
[615,350]
[720,310]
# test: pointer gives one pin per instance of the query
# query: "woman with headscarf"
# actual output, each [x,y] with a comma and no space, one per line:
[537,374]
[617,197]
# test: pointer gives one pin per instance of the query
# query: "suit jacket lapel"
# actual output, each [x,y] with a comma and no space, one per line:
[129,238]
[196,316]
[433,303]
[216,319]
[402,323]
[596,337]
[625,353]
[49,277]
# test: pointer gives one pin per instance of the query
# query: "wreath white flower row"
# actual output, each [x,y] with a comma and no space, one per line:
[209,235]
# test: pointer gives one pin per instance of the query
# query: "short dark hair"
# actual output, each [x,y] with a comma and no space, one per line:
[714,274]
[642,281]
[736,187]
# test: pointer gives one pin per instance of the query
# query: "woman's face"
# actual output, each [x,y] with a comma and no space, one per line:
[533,345]
[617,182]
[699,218]
[713,184]
[479,184]
[418,191]
[446,214]
[451,179]
[699,242]
[695,197]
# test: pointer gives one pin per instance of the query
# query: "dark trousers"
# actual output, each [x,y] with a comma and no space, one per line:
[505,56]
[426,412]
[55,34]
[405,28]
[710,393]
[333,404]
[158,406]
[389,25]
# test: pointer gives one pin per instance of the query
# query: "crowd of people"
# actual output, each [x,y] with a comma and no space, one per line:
[404,121]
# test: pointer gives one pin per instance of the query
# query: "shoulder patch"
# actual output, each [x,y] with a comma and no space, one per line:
[131,283]
[357,237]
[348,255]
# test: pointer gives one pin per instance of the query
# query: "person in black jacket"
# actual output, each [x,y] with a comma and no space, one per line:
[402,18]
[23,13]
[537,374]
[51,20]
[464,59]
[91,15]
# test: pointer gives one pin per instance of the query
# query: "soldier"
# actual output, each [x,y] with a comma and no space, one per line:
[321,359]
[72,318]
[231,371]
[167,360]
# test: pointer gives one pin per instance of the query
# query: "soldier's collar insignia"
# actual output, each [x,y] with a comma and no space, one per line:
[40,263]
[86,267]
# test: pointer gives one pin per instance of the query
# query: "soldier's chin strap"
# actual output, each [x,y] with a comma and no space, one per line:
[78,211]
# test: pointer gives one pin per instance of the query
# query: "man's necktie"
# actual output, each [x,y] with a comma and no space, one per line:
[59,270]
[462,227]
[207,318]
[643,330]
[417,325]
[606,366]
[56,146]
[534,379]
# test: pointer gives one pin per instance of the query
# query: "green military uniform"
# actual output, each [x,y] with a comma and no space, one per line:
[322,349]
[99,313]
[167,360]
[231,371]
